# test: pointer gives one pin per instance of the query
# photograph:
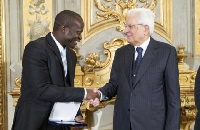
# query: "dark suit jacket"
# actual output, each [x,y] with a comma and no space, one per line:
[152,101]
[43,83]
[197,100]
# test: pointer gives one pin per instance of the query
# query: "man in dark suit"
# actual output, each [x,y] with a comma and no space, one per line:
[144,77]
[48,74]
[197,100]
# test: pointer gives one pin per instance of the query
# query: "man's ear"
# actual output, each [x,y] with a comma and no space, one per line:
[147,29]
[64,29]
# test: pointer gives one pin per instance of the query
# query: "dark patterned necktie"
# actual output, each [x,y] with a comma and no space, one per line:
[139,57]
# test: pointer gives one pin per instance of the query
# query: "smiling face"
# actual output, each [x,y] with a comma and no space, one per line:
[136,32]
[72,34]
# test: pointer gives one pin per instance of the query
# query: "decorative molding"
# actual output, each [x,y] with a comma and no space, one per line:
[181,55]
[78,80]
[188,110]
[92,62]
[3,89]
[197,27]
[16,92]
[97,73]
[109,17]
[37,19]
[187,81]
[164,27]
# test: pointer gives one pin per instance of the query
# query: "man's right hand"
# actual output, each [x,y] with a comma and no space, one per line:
[92,95]
[95,102]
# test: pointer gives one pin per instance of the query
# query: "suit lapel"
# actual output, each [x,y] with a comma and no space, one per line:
[69,64]
[129,54]
[146,60]
[55,49]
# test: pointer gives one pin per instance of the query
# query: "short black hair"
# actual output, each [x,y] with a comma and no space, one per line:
[65,18]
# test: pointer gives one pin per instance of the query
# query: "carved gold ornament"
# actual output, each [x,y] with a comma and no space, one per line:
[36,18]
[121,9]
[97,73]
[92,61]
[99,16]
[16,91]
[38,28]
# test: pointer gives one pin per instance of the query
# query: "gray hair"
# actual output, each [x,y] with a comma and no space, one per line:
[145,17]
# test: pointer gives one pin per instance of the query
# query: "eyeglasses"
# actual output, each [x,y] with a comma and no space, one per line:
[131,25]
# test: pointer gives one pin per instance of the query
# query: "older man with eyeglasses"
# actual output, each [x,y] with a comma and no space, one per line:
[144,77]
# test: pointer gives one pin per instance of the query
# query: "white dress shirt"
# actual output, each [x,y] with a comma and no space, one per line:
[143,46]
[62,53]
[64,58]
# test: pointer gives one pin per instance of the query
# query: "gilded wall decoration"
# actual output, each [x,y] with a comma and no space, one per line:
[3,89]
[98,73]
[37,18]
[109,16]
[197,27]
[187,81]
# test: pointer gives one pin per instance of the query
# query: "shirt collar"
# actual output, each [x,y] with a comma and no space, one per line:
[144,45]
[60,47]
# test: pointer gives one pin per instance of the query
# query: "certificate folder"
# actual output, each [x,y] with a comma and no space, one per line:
[64,111]
[67,123]
[63,114]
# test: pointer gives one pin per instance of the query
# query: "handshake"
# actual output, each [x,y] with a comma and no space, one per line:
[93,96]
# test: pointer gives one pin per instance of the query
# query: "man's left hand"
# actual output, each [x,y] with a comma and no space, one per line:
[78,119]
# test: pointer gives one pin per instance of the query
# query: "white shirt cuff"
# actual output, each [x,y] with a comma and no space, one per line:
[85,93]
[103,97]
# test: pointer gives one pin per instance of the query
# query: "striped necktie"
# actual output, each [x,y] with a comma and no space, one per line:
[139,57]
